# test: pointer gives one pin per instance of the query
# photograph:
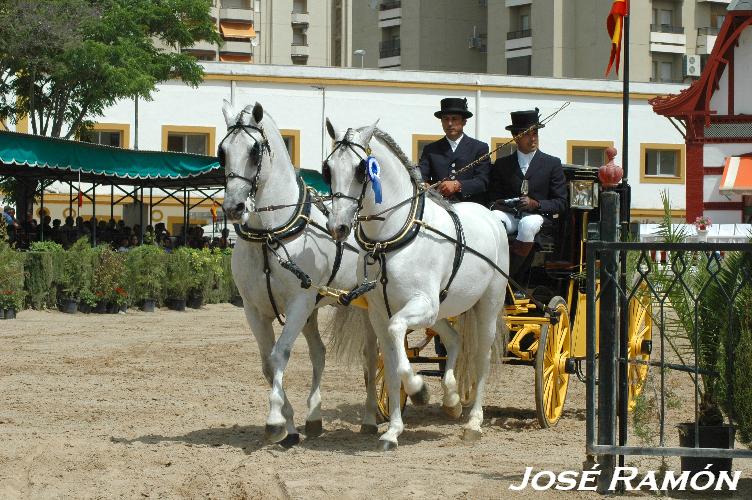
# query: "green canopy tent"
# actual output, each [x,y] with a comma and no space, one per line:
[39,160]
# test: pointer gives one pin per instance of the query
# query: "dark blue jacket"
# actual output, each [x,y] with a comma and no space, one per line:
[438,162]
[545,179]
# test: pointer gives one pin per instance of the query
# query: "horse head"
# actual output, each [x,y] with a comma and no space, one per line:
[345,172]
[243,153]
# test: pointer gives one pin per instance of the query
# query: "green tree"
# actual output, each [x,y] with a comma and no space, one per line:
[62,62]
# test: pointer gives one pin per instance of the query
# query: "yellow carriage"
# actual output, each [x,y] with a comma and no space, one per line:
[553,344]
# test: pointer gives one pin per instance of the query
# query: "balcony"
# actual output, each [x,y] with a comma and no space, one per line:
[513,35]
[245,15]
[517,3]
[389,48]
[236,46]
[300,49]
[706,40]
[391,16]
[202,46]
[300,17]
[724,2]
[668,39]
[395,4]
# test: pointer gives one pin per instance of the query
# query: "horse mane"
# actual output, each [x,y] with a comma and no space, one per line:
[411,167]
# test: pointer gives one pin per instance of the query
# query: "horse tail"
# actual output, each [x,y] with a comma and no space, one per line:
[466,368]
[347,331]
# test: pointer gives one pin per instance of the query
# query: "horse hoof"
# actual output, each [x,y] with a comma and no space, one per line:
[313,428]
[275,433]
[453,412]
[422,397]
[385,445]
[290,441]
[471,435]
[369,429]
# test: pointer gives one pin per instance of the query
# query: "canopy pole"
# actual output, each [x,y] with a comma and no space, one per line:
[94,215]
[41,212]
[151,200]
[185,215]
[70,200]
[112,201]
[141,217]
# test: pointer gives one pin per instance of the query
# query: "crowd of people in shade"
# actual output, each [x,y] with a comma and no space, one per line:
[115,233]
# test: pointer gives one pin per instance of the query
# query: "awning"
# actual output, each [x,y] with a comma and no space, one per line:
[33,156]
[231,57]
[236,30]
[737,175]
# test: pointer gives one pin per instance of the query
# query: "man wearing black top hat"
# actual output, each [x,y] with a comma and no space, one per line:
[533,185]
[441,160]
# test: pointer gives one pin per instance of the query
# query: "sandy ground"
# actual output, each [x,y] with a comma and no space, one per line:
[172,405]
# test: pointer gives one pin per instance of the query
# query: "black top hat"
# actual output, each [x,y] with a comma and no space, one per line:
[453,106]
[523,120]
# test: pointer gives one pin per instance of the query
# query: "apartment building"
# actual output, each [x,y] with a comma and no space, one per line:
[561,38]
[305,32]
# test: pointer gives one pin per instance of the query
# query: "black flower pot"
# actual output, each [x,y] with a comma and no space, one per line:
[10,313]
[148,305]
[113,308]
[100,308]
[195,301]
[237,300]
[123,308]
[69,306]
[711,436]
[2,313]
[176,304]
[83,307]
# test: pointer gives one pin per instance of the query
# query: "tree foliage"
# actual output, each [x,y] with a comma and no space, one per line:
[64,61]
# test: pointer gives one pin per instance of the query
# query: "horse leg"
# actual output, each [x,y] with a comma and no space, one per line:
[487,310]
[317,353]
[450,338]
[280,423]
[371,353]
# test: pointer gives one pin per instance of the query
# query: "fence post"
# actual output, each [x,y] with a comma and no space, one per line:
[608,335]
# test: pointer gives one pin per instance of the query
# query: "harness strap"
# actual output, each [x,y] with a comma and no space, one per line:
[459,253]
[268,273]
[384,281]
[408,232]
[289,229]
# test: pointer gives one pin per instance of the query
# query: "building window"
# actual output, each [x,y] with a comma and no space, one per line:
[661,163]
[292,143]
[299,37]
[186,139]
[589,153]
[420,141]
[524,21]
[108,134]
[519,65]
[508,146]
[299,7]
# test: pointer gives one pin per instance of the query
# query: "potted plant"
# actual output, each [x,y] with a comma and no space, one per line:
[702,224]
[146,275]
[702,332]
[75,274]
[109,275]
[87,301]
[179,278]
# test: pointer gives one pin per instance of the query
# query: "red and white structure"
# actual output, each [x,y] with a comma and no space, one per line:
[715,117]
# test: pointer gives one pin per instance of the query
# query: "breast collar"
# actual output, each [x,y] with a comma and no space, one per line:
[286,231]
[405,235]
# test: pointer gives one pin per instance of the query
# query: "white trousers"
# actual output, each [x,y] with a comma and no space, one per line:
[526,227]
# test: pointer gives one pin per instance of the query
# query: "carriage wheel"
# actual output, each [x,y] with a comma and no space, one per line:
[382,394]
[551,380]
[640,336]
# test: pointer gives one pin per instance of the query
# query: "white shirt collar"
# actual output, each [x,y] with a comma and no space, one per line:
[454,144]
[524,159]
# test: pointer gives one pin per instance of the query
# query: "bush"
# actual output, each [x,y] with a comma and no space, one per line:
[76,272]
[109,276]
[146,272]
[179,274]
[39,270]
[11,278]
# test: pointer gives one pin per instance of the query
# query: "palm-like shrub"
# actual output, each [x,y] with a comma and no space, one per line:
[146,272]
[179,277]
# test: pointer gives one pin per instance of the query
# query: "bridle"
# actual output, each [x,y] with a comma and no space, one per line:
[256,152]
[360,170]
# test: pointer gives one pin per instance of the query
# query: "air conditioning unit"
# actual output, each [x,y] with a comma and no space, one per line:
[474,42]
[692,65]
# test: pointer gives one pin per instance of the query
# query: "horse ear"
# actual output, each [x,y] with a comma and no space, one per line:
[330,130]
[258,113]
[367,133]
[228,112]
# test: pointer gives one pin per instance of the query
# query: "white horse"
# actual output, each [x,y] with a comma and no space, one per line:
[419,267]
[285,248]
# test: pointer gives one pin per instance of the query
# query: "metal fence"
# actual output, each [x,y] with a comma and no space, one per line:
[692,300]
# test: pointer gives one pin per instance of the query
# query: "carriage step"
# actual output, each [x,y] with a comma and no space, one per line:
[431,373]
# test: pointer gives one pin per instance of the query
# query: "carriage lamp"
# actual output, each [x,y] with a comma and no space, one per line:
[610,174]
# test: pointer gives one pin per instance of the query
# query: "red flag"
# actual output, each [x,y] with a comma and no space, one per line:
[213,211]
[614,25]
[80,199]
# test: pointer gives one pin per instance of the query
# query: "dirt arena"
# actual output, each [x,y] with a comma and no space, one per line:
[172,405]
